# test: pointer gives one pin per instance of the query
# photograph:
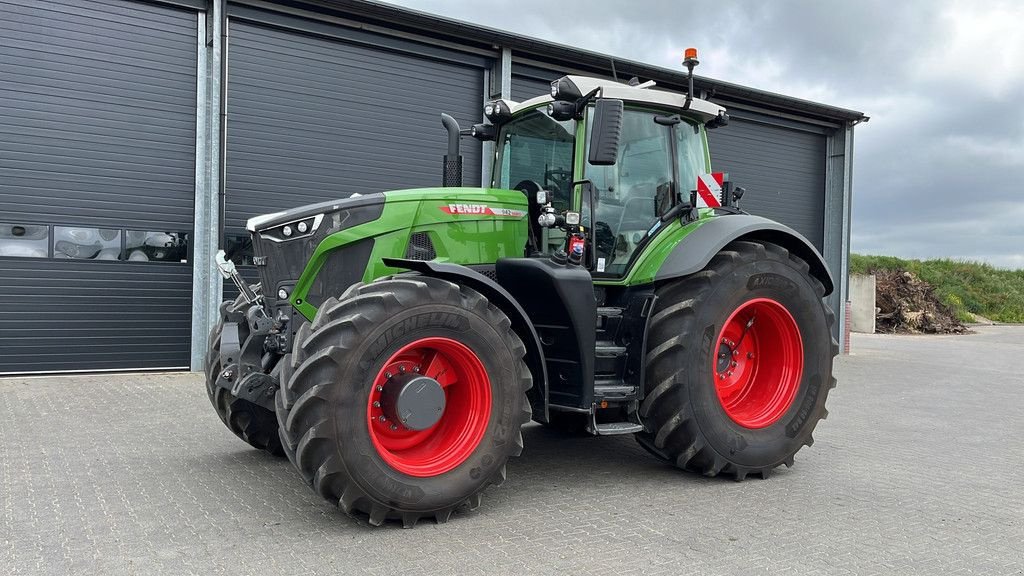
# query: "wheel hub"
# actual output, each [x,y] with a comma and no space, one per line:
[758,364]
[429,406]
[413,401]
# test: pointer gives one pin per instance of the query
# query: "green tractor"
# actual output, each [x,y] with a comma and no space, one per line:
[397,342]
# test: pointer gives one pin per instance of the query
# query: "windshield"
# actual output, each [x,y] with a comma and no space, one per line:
[536,148]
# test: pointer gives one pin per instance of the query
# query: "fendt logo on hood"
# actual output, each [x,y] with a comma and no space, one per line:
[481,210]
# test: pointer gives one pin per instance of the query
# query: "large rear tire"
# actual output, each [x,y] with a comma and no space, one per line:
[254,424]
[340,416]
[739,363]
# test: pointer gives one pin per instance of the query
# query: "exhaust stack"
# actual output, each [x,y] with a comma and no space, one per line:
[452,175]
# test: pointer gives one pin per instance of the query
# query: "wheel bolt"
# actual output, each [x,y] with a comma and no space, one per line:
[735,353]
[376,404]
[387,375]
[733,364]
[721,376]
[750,355]
[380,388]
[383,418]
[401,369]
[416,369]
[393,427]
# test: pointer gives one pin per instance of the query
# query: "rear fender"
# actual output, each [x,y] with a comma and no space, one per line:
[696,249]
[501,298]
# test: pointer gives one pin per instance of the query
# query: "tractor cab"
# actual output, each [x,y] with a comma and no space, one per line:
[616,157]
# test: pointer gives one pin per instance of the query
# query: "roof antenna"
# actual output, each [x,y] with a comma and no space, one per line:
[615,75]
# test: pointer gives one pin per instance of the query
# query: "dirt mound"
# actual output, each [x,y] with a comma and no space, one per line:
[908,305]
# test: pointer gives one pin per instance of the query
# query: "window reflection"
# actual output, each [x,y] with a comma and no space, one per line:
[156,246]
[238,249]
[81,243]
[24,240]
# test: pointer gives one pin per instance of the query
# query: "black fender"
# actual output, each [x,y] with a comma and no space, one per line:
[501,298]
[695,250]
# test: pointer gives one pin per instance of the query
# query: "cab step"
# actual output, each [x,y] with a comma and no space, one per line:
[613,428]
[613,391]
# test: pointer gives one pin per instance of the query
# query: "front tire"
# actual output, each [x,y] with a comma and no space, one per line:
[254,424]
[739,363]
[340,422]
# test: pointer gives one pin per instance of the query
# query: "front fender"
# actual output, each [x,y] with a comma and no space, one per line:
[697,248]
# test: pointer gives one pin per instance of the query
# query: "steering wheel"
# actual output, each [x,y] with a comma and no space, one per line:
[559,177]
[530,188]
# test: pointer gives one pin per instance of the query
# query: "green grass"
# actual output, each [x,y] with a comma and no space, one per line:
[965,286]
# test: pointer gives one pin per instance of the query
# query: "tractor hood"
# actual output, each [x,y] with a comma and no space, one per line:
[306,254]
[266,221]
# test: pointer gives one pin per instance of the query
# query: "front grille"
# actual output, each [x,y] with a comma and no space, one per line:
[420,247]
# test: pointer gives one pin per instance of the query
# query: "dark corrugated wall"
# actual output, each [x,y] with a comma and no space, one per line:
[314,119]
[782,168]
[97,131]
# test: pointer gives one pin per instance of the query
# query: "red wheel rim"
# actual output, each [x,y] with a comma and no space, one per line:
[462,425]
[758,363]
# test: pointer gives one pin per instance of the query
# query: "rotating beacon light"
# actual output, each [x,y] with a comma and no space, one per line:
[691,62]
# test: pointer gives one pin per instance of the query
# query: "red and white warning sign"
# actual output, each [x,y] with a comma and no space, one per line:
[709,189]
[482,210]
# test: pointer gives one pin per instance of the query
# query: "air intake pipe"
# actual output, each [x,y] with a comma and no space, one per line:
[452,175]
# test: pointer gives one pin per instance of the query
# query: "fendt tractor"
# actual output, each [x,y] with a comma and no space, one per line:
[606,282]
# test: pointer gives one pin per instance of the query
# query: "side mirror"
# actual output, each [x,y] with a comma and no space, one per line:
[606,133]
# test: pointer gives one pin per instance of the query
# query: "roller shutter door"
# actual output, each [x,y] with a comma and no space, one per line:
[782,167]
[526,87]
[97,180]
[315,118]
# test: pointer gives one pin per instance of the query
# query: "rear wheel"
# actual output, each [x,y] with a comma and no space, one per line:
[404,399]
[739,363]
[254,424]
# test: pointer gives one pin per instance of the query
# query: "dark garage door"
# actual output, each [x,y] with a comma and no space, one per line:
[782,168]
[314,118]
[97,179]
[525,87]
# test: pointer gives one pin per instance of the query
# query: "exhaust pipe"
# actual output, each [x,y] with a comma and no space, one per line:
[452,175]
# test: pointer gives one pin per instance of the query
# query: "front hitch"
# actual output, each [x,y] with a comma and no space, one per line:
[228,271]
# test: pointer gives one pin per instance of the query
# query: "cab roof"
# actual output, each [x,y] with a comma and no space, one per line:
[701,109]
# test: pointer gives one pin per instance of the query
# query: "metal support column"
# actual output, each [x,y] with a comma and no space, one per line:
[207,284]
[836,241]
[497,84]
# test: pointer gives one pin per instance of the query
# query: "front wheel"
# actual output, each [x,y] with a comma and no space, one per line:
[739,363]
[252,423]
[404,399]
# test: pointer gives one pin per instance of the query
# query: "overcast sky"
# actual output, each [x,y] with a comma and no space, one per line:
[939,169]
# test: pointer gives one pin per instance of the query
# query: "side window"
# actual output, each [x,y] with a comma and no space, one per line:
[79,243]
[24,240]
[632,194]
[690,152]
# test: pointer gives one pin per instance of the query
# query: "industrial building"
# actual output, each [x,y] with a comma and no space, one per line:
[126,126]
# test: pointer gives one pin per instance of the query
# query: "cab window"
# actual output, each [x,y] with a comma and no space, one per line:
[634,192]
